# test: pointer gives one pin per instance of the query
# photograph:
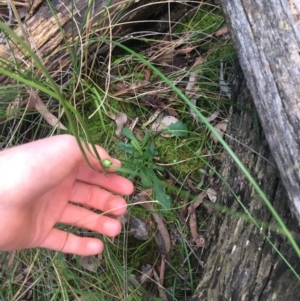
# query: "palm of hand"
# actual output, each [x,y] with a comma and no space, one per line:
[42,199]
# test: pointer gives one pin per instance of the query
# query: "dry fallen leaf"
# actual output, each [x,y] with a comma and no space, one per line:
[138,228]
[161,289]
[142,197]
[185,50]
[89,263]
[147,73]
[162,124]
[131,88]
[35,102]
[162,270]
[171,111]
[221,127]
[163,231]
[147,273]
[212,194]
[221,31]
[199,240]
[161,245]
[199,61]
[121,86]
[165,241]
[154,116]
[213,116]
[120,121]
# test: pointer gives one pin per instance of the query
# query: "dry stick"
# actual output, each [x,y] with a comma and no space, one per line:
[160,226]
[9,13]
[36,102]
[162,270]
[157,217]
[28,272]
[200,241]
[13,7]
[11,259]
[175,270]
[87,31]
[107,81]
[81,45]
[162,293]
[183,210]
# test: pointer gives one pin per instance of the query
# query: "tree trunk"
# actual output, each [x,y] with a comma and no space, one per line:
[241,264]
[266,35]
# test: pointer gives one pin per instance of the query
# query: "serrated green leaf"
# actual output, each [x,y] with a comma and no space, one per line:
[150,152]
[146,179]
[178,129]
[128,148]
[127,132]
[161,196]
[146,138]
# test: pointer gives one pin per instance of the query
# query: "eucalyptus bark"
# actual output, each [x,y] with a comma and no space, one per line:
[241,263]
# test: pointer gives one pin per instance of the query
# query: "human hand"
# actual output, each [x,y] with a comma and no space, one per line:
[43,182]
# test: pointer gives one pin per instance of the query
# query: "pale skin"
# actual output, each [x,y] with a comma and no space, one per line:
[42,183]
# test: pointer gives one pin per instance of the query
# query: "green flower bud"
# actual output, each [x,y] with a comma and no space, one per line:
[106,163]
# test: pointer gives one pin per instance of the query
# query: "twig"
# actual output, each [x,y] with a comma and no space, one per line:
[162,293]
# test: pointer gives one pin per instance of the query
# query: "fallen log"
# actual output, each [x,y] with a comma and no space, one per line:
[241,264]
[248,262]
[266,35]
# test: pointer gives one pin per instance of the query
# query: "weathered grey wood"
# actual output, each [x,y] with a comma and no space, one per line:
[266,35]
[241,265]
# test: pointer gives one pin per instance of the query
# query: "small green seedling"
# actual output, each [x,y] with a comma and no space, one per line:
[140,162]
